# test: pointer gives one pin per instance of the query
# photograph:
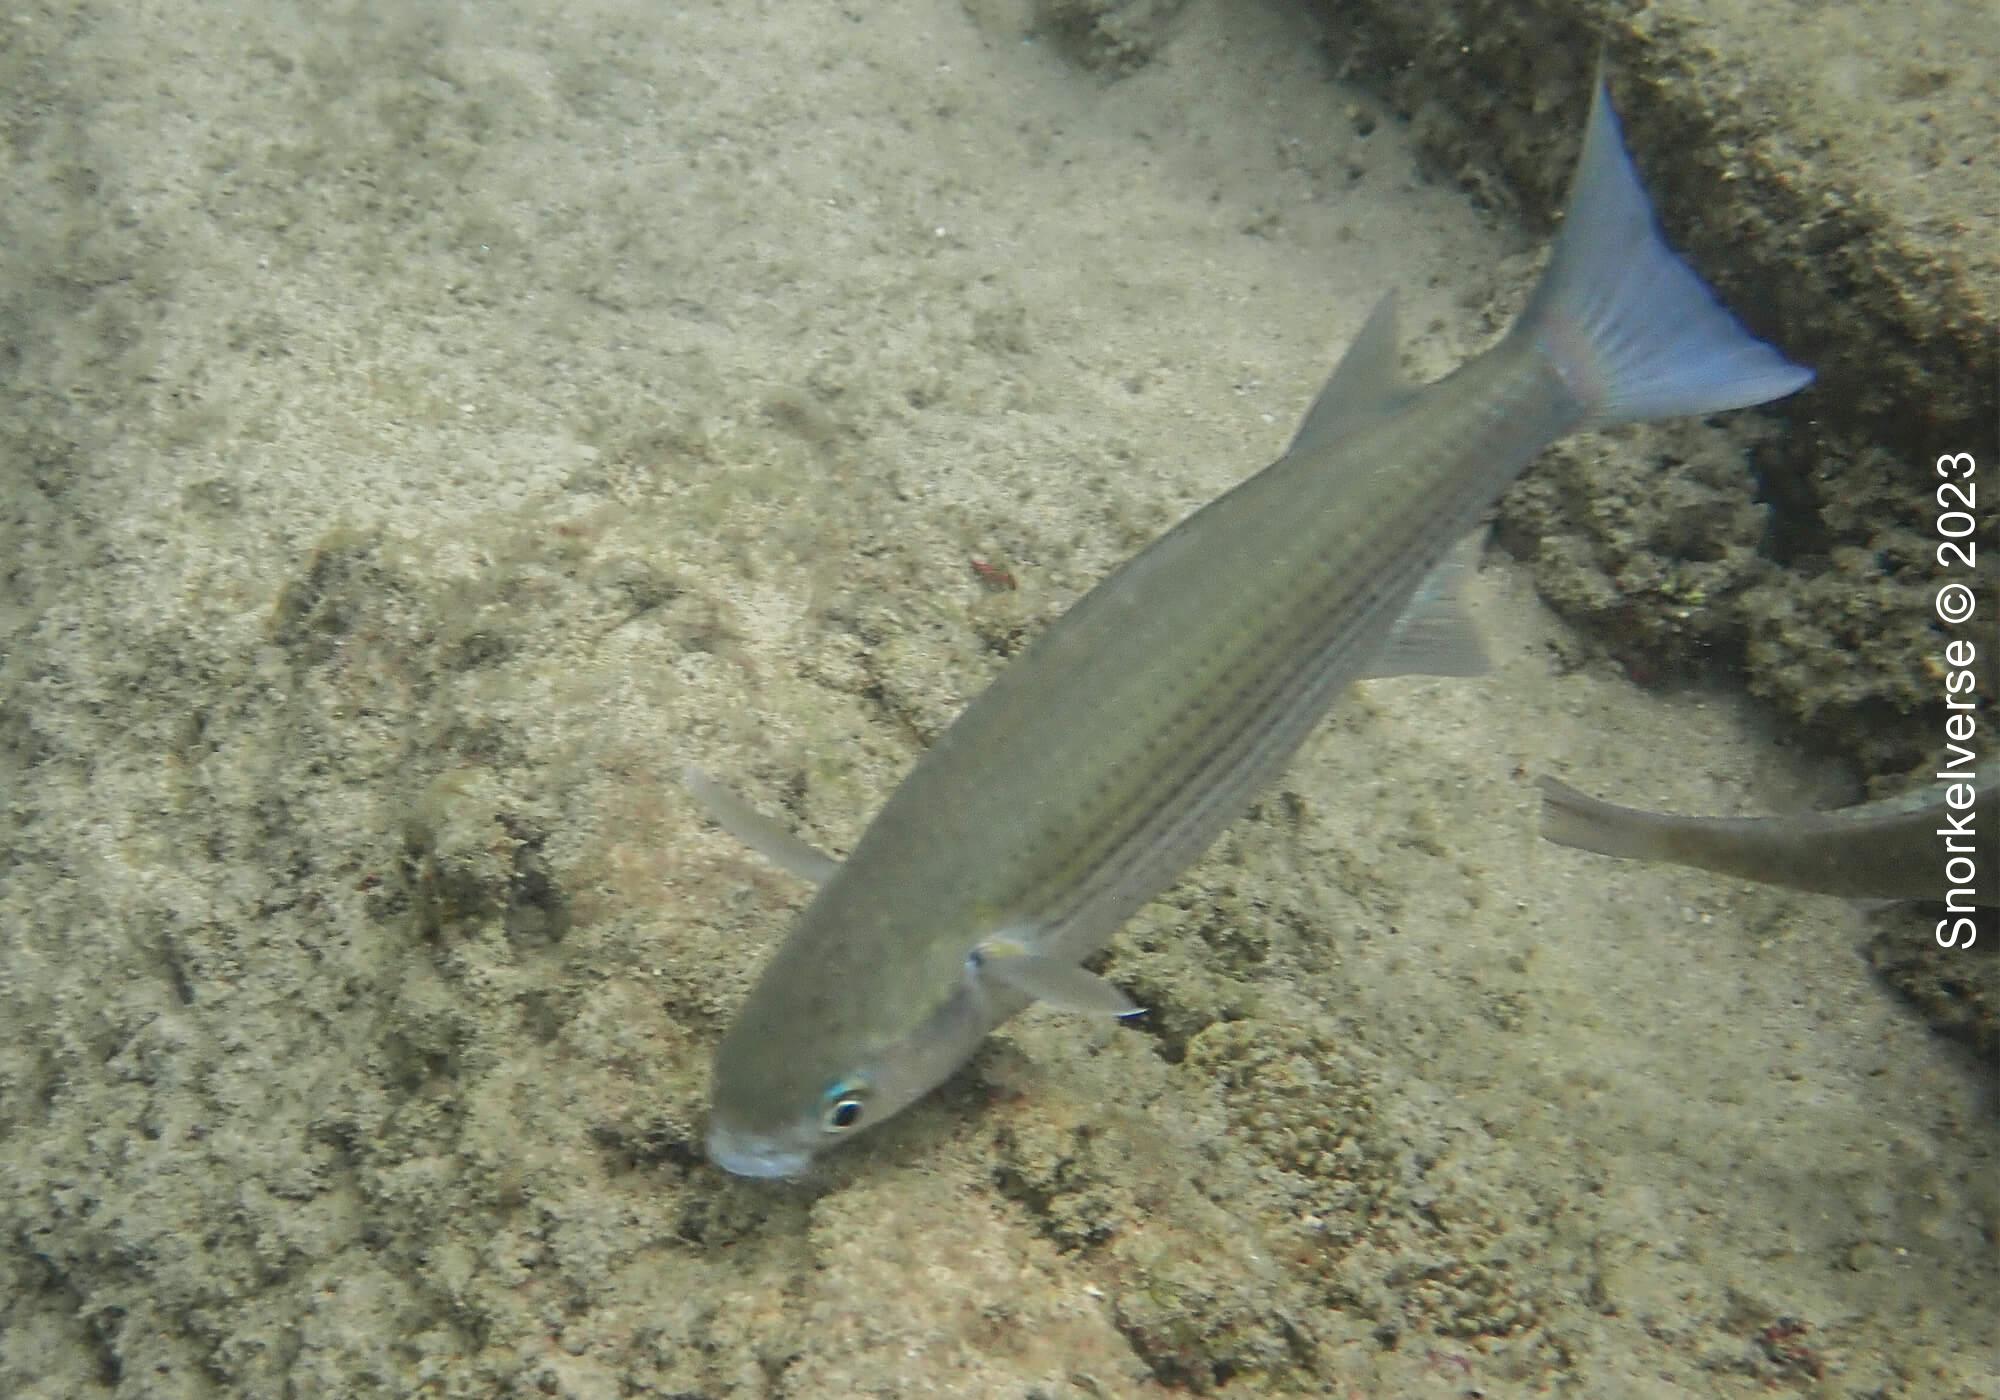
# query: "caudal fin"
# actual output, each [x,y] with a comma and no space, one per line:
[1633,331]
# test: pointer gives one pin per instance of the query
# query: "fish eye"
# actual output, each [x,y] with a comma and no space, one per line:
[843,1105]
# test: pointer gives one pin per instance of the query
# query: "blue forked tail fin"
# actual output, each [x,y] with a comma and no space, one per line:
[1632,330]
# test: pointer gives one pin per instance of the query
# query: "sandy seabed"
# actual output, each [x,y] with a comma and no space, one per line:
[428,433]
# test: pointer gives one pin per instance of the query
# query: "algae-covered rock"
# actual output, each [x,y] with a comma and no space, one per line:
[1956,989]
[1116,36]
[1396,1232]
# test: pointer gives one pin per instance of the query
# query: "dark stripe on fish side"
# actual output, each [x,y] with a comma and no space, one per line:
[1264,719]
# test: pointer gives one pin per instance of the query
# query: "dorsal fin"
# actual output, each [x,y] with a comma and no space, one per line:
[1365,387]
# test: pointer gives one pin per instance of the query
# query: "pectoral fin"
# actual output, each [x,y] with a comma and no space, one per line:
[756,830]
[1051,981]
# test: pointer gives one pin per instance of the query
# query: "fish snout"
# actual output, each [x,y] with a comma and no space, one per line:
[746,1154]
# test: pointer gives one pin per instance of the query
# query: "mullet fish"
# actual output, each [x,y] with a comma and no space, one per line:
[1116,747]
[1892,848]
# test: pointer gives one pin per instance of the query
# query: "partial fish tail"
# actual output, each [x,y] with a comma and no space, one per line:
[1631,329]
[1572,818]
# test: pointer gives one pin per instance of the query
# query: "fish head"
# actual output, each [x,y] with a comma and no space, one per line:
[777,1135]
[829,1045]
[781,1099]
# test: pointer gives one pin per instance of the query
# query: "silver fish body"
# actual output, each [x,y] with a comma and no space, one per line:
[1892,848]
[1113,750]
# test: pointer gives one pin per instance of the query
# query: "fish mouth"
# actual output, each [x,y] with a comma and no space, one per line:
[743,1155]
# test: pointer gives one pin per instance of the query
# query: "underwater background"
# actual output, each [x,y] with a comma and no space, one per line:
[430,427]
